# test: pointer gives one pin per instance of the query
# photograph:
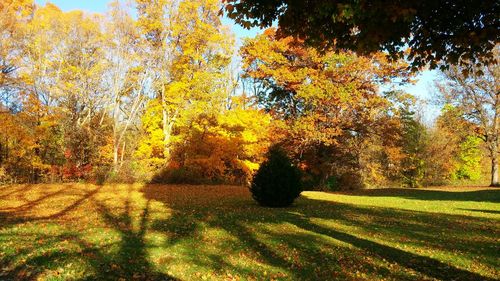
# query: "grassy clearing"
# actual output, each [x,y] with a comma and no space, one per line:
[153,232]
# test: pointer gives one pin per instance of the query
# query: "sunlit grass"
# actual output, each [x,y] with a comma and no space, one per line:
[153,232]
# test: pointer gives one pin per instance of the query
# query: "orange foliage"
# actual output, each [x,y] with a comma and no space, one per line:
[330,102]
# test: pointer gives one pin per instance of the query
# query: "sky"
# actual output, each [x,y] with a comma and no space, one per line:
[423,89]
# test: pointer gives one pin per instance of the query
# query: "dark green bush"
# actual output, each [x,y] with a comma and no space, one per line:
[277,183]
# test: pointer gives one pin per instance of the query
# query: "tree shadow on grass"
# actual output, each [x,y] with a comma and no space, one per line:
[131,261]
[475,195]
[482,211]
[45,251]
[240,219]
[25,212]
[314,239]
[422,264]
[29,204]
[10,190]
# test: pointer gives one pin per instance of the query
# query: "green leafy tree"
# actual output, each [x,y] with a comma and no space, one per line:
[469,159]
[414,136]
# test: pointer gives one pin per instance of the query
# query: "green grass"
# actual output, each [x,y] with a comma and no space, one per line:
[153,232]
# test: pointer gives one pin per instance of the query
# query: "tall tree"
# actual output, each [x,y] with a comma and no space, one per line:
[456,152]
[435,30]
[414,141]
[477,95]
[126,77]
[329,102]
[192,53]
[63,67]
[14,14]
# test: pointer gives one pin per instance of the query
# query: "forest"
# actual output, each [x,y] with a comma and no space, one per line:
[157,91]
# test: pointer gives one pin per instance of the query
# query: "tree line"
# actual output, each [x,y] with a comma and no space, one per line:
[152,92]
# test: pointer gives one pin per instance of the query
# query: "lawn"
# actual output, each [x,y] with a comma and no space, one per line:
[155,232]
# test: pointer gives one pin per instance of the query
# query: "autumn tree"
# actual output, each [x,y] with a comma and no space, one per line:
[14,14]
[93,92]
[192,51]
[33,125]
[126,77]
[225,146]
[477,95]
[435,30]
[330,102]
[65,57]
[458,152]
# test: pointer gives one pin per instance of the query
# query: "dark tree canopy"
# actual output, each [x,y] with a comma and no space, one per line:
[435,30]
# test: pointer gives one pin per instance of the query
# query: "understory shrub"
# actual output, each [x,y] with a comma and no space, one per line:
[344,181]
[180,175]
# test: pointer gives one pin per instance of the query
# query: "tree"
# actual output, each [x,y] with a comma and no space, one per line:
[127,75]
[478,97]
[14,14]
[277,183]
[192,54]
[455,151]
[434,30]
[224,147]
[414,141]
[329,103]
[64,66]
[469,159]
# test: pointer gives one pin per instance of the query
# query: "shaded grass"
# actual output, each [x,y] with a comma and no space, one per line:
[157,232]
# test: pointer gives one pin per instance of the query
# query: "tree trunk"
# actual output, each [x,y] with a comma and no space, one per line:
[123,154]
[115,156]
[116,141]
[166,132]
[165,126]
[494,168]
